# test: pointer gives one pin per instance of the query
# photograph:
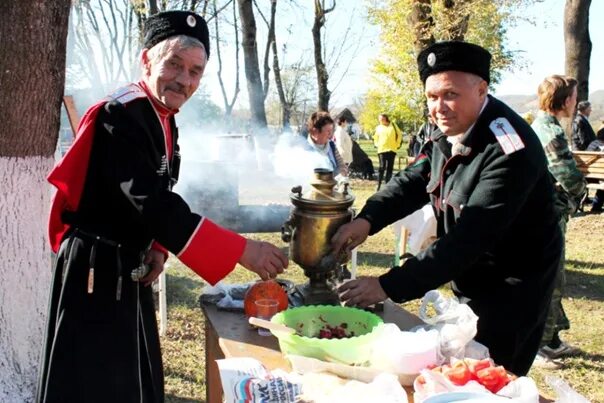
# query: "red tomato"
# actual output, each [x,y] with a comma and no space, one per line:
[459,374]
[477,365]
[493,378]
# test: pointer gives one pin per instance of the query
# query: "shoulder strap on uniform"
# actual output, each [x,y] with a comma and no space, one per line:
[506,135]
[127,94]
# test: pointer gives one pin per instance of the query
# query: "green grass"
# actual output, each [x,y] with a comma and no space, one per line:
[184,342]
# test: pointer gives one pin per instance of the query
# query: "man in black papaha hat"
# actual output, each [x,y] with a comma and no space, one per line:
[114,212]
[485,175]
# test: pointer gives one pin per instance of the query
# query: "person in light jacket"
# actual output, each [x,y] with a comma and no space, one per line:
[343,140]
[319,140]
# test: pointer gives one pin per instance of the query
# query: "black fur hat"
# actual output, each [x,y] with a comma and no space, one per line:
[454,55]
[166,24]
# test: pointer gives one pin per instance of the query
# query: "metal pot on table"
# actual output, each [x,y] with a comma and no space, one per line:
[316,217]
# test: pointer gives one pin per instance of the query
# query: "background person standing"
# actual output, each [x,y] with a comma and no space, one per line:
[387,139]
[425,132]
[320,133]
[597,145]
[583,133]
[557,100]
[343,140]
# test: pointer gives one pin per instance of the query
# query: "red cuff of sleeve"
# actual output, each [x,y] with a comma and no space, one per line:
[158,247]
[212,251]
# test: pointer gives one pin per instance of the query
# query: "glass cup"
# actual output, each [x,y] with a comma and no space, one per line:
[265,309]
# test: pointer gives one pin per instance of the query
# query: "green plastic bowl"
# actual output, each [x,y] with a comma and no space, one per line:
[308,320]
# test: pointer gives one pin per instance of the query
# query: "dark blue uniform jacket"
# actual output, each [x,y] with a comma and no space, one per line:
[498,239]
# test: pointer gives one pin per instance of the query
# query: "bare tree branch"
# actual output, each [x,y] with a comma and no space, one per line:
[228,105]
[218,10]
[269,42]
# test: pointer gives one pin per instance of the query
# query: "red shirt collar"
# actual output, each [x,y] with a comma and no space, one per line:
[164,113]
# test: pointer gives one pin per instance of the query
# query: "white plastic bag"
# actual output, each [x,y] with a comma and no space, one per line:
[402,352]
[565,393]
[421,225]
[456,324]
[225,296]
[323,388]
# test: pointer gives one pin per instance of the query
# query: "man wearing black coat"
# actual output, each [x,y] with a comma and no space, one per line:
[485,175]
[583,133]
[597,145]
[423,135]
[113,220]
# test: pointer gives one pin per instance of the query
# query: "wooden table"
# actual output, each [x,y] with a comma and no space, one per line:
[229,335]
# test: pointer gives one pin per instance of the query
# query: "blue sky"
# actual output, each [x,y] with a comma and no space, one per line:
[542,43]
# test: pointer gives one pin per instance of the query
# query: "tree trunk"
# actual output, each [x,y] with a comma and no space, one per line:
[269,46]
[458,18]
[577,44]
[32,81]
[252,68]
[322,74]
[153,7]
[422,24]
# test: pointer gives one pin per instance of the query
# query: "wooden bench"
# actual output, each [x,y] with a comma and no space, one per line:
[591,165]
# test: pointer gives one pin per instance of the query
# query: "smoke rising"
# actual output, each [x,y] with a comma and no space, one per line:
[242,181]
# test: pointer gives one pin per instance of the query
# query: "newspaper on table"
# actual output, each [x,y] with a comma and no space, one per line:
[247,380]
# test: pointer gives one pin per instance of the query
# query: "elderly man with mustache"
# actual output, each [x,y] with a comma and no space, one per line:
[114,219]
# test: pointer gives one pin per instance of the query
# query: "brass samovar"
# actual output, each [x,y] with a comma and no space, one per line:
[312,223]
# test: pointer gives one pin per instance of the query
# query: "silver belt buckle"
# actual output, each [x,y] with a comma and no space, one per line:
[140,272]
